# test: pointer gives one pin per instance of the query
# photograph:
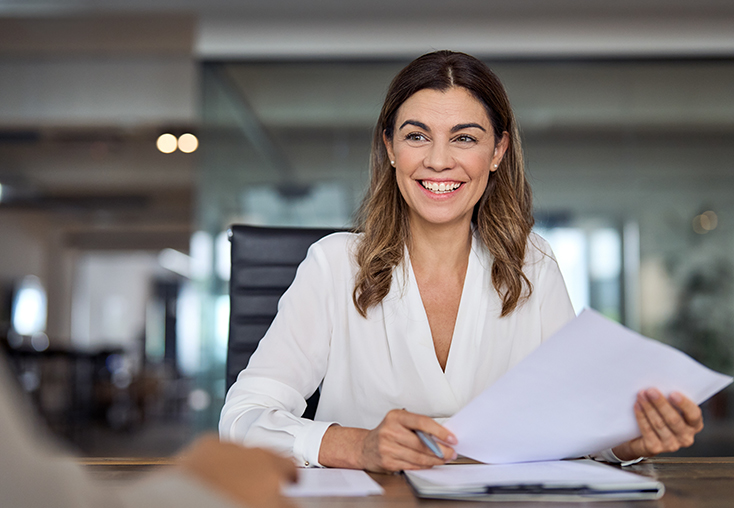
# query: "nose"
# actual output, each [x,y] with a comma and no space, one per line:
[438,157]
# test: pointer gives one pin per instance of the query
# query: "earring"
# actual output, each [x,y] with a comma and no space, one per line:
[495,166]
[392,163]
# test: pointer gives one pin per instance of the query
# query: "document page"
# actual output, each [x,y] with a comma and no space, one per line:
[332,482]
[574,395]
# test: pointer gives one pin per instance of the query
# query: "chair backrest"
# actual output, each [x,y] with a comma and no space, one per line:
[264,263]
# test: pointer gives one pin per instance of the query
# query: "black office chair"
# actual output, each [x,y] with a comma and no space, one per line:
[264,262]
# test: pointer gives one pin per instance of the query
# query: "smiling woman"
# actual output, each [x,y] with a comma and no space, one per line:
[481,118]
[443,289]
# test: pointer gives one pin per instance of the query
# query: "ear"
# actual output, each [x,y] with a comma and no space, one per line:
[499,151]
[388,146]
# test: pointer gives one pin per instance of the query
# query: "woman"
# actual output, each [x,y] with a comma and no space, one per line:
[444,289]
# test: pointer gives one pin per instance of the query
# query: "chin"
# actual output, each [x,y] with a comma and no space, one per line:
[443,220]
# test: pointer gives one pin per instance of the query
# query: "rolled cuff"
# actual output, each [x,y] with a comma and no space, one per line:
[307,443]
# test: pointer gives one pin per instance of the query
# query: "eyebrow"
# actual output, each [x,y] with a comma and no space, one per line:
[455,128]
[418,124]
[463,126]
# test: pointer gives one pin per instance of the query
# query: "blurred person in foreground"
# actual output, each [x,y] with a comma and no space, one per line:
[209,473]
[441,291]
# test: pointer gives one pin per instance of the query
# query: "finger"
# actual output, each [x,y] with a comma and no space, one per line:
[447,453]
[656,420]
[397,442]
[409,439]
[417,459]
[649,442]
[394,457]
[672,417]
[415,421]
[690,411]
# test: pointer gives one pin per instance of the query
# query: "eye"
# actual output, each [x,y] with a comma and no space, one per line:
[465,138]
[415,136]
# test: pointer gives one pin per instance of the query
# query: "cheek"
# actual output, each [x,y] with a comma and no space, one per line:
[481,187]
[406,157]
[480,169]
[403,181]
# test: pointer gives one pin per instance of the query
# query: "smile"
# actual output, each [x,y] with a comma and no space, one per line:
[440,188]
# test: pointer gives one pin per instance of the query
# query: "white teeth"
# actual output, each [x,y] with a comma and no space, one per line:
[441,188]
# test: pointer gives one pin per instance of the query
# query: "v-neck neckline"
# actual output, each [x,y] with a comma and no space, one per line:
[458,323]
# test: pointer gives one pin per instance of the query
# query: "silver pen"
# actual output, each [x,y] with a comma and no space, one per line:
[428,440]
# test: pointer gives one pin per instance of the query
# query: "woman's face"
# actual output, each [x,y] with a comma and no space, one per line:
[443,149]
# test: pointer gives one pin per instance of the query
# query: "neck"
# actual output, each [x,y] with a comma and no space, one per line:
[440,247]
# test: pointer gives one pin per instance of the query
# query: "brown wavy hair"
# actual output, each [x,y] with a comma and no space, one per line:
[502,217]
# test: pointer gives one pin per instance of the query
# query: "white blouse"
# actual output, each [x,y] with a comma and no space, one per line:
[367,367]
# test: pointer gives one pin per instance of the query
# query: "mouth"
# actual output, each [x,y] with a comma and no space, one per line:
[440,187]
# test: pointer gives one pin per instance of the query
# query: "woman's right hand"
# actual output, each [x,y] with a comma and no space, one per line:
[393,445]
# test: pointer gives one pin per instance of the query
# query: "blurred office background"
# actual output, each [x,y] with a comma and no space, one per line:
[113,249]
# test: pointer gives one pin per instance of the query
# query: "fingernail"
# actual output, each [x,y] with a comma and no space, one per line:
[676,398]
[452,439]
[653,394]
[638,407]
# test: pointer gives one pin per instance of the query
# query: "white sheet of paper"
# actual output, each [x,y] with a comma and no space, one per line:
[574,394]
[332,482]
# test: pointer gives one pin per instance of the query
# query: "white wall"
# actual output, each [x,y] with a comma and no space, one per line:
[77,90]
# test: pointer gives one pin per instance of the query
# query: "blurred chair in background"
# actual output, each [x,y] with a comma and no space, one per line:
[264,263]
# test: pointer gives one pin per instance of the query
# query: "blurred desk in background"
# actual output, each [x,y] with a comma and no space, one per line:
[689,482]
[101,404]
[66,385]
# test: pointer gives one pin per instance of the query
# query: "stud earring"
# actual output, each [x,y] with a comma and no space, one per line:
[392,163]
[495,166]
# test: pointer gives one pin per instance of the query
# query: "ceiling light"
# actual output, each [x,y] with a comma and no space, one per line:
[188,143]
[698,227]
[709,220]
[166,143]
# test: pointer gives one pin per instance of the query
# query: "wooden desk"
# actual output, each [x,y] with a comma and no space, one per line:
[689,483]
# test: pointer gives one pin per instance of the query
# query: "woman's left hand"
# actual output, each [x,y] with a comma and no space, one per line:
[666,425]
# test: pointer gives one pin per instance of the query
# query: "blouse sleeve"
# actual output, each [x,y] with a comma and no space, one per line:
[264,406]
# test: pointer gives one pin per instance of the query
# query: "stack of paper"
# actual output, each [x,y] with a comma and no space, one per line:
[550,481]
